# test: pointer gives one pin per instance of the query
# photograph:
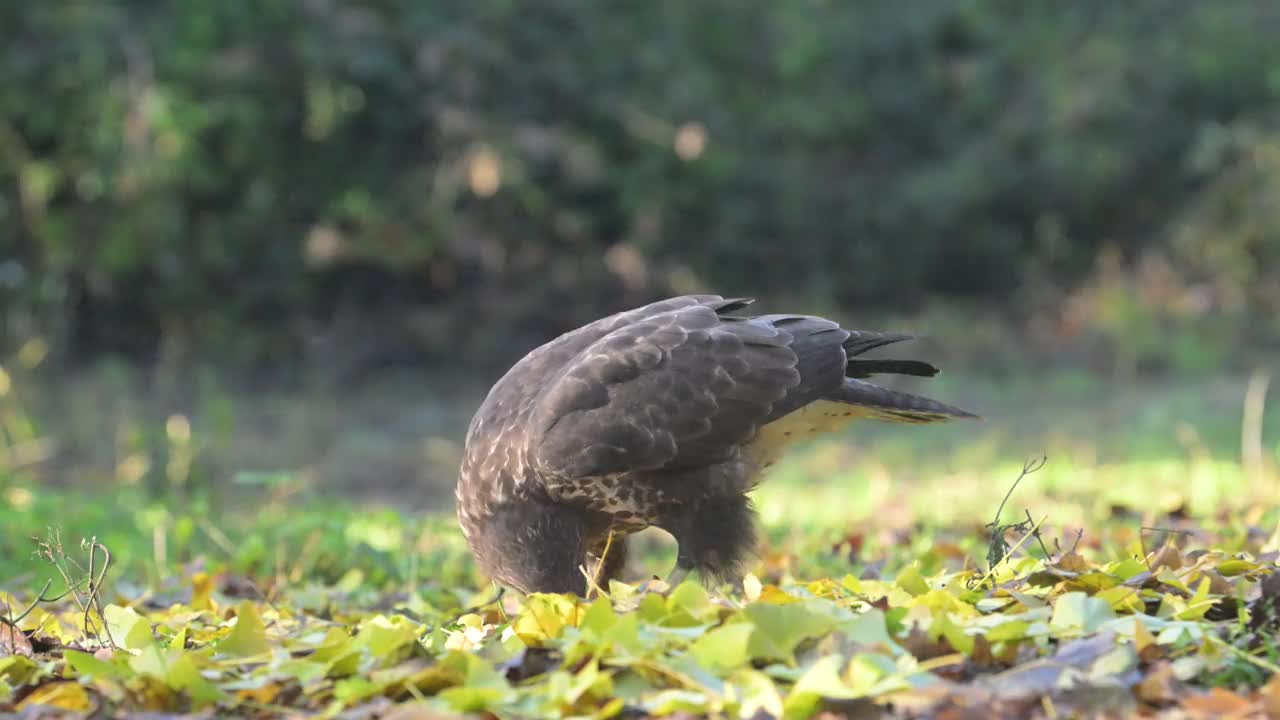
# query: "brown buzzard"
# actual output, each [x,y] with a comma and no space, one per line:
[660,416]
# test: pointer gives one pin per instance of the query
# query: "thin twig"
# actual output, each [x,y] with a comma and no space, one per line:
[1264,664]
[95,591]
[1036,533]
[998,550]
[992,570]
[1028,467]
[594,579]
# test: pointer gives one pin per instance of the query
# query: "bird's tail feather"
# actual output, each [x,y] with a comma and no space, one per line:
[882,403]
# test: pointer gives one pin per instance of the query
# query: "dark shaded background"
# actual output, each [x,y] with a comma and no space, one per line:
[235,180]
[200,195]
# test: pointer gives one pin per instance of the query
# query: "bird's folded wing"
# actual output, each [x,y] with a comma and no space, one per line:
[680,389]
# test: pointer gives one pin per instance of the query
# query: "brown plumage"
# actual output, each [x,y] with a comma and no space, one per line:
[663,416]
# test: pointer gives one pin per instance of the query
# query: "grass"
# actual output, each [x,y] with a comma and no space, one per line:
[165,492]
[1129,471]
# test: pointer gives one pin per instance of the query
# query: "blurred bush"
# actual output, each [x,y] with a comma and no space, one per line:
[253,180]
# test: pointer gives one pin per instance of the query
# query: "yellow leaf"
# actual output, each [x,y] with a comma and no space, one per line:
[911,581]
[248,637]
[64,695]
[392,639]
[1236,566]
[179,640]
[1122,599]
[202,592]
[17,669]
[264,694]
[545,616]
[1142,637]
[1199,604]
[774,595]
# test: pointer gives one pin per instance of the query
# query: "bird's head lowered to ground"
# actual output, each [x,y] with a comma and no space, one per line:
[510,544]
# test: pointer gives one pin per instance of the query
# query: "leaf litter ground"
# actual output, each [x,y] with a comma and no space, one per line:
[1179,621]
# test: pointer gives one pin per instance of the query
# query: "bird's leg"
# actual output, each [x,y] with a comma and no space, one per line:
[678,575]
[716,537]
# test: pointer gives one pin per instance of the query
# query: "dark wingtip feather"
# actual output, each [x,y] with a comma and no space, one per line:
[867,368]
[861,341]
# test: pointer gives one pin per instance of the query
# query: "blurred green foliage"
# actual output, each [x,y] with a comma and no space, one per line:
[234,177]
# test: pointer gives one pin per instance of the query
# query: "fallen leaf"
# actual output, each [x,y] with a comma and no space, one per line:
[248,636]
[1078,613]
[1159,686]
[724,649]
[64,695]
[1219,704]
[202,592]
[13,641]
[1167,556]
[1072,562]
[1269,695]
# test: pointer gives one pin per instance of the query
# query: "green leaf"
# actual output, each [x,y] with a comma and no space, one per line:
[151,660]
[129,629]
[389,639]
[870,628]
[1236,566]
[868,670]
[185,676]
[912,581]
[821,680]
[1077,613]
[625,634]
[87,666]
[18,669]
[943,626]
[758,693]
[691,597]
[352,690]
[1125,569]
[670,702]
[724,649]
[1012,630]
[780,628]
[598,619]
[1115,663]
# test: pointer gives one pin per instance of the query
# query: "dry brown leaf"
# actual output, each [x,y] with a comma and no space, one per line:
[1072,562]
[1167,556]
[923,647]
[13,642]
[1220,704]
[1159,687]
[982,654]
[1269,696]
[1218,585]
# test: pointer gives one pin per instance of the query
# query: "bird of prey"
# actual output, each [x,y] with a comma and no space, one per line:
[662,416]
